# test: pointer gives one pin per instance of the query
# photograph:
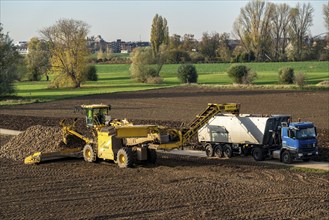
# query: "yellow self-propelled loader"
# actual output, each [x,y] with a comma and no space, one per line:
[123,142]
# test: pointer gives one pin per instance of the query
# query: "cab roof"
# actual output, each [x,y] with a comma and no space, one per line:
[95,106]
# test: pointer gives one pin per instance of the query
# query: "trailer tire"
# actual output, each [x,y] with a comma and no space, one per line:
[218,151]
[125,157]
[258,154]
[151,156]
[89,154]
[209,150]
[286,157]
[227,150]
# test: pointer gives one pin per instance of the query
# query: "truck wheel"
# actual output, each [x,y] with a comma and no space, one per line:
[228,152]
[89,154]
[218,151]
[306,159]
[151,156]
[125,157]
[286,157]
[257,154]
[209,150]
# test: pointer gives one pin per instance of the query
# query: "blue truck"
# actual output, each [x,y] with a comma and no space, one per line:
[264,137]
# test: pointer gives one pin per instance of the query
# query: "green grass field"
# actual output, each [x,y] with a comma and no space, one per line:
[115,78]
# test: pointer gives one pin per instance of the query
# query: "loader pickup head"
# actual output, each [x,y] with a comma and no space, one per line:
[96,114]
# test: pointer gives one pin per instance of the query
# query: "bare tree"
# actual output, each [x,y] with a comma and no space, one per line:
[280,24]
[326,15]
[253,27]
[68,49]
[301,18]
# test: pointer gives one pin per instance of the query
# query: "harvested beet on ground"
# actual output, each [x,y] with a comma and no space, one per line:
[37,138]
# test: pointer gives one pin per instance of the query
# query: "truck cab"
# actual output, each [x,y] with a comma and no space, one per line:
[298,142]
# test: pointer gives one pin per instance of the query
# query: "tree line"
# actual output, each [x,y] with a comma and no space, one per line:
[266,32]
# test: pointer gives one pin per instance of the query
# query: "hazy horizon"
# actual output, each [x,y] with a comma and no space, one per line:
[131,20]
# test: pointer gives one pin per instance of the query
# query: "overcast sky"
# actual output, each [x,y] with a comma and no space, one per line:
[131,20]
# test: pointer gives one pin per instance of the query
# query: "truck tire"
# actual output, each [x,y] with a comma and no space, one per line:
[218,151]
[227,150]
[286,157]
[209,150]
[125,157]
[306,159]
[258,154]
[151,156]
[89,154]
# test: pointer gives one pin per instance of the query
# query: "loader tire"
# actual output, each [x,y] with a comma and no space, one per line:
[218,151]
[227,150]
[125,157]
[209,150]
[89,154]
[152,156]
[258,154]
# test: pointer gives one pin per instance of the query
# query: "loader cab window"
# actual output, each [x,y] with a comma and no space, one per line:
[99,115]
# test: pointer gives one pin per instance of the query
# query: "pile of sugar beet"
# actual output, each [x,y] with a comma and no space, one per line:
[37,138]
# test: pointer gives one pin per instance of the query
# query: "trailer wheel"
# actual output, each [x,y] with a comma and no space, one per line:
[209,150]
[218,151]
[286,157]
[125,157]
[151,156]
[228,152]
[257,154]
[89,154]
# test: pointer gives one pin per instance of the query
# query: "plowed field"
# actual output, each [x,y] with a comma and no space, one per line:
[178,187]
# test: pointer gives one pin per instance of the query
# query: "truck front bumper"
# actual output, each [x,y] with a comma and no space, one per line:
[306,155]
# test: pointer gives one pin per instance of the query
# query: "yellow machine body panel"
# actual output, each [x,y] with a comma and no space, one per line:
[108,144]
[134,131]
[105,146]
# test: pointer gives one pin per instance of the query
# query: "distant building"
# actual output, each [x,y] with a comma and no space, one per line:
[21,47]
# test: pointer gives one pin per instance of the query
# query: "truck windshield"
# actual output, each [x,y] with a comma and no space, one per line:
[306,133]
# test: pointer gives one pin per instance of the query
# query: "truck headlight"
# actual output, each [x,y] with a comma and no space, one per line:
[300,154]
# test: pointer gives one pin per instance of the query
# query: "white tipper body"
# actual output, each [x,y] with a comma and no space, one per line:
[227,128]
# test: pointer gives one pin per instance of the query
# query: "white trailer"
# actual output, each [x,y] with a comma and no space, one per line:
[227,134]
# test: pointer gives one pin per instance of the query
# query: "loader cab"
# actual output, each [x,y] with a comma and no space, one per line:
[97,114]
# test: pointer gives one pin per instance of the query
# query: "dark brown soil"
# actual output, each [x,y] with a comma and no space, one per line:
[178,187]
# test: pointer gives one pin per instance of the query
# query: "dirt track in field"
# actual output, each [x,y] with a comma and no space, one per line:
[178,187]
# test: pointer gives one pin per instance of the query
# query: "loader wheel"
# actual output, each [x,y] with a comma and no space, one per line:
[257,154]
[152,156]
[286,157]
[89,154]
[125,157]
[218,151]
[228,152]
[209,150]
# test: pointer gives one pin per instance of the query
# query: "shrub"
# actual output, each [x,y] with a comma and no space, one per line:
[142,66]
[300,79]
[91,73]
[187,73]
[241,74]
[154,80]
[286,75]
[250,77]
